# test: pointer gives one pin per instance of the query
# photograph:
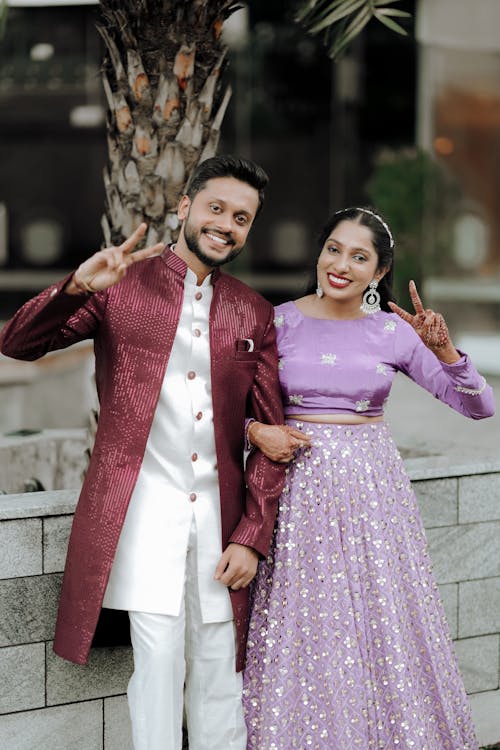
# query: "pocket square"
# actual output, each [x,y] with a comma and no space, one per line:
[244,345]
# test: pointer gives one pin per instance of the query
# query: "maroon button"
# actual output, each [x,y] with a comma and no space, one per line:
[199,415]
[192,497]
[191,375]
[198,295]
[197,332]
[194,457]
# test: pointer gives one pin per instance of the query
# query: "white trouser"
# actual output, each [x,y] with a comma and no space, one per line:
[180,662]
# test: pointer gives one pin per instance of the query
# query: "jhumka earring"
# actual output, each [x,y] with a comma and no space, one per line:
[371,299]
[319,290]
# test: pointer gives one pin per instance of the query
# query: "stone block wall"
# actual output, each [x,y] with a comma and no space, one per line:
[49,704]
[461,513]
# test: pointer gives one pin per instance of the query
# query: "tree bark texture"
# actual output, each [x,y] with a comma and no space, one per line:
[162,79]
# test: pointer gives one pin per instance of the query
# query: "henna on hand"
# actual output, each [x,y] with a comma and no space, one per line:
[430,326]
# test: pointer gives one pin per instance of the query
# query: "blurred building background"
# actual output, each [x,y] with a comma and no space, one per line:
[409,125]
[52,145]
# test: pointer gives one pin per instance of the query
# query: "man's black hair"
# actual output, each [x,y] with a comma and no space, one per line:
[228,166]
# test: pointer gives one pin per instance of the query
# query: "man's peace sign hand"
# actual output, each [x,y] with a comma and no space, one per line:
[107,267]
[430,326]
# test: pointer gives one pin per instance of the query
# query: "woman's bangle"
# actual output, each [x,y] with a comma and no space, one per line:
[82,286]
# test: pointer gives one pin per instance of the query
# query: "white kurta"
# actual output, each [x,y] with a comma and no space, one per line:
[177,483]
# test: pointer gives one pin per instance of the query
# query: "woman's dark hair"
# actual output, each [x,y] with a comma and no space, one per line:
[382,240]
[226,165]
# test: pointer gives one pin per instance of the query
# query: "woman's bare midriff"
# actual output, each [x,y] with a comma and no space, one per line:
[335,418]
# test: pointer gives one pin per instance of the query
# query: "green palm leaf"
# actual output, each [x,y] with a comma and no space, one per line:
[340,21]
[336,15]
[350,32]
[383,15]
[313,8]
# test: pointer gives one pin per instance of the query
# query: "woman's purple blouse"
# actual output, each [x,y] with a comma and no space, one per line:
[348,366]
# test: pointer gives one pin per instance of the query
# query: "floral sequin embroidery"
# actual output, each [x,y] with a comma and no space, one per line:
[390,325]
[381,369]
[363,405]
[295,398]
[279,321]
[328,359]
[348,648]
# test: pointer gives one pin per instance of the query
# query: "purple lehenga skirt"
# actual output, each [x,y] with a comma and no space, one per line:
[348,646]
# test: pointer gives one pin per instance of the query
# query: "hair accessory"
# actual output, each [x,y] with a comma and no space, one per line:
[371,299]
[376,216]
[319,290]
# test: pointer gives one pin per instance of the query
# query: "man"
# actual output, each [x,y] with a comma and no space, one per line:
[168,526]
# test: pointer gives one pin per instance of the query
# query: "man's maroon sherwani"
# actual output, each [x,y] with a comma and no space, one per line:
[133,325]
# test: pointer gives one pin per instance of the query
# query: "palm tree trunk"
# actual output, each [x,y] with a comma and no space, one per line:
[162,80]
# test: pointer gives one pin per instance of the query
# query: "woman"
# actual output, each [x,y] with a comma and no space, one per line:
[348,647]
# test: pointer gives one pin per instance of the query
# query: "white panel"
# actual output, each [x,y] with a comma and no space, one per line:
[462,24]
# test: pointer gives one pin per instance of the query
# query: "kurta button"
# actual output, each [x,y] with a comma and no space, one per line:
[198,295]
[199,415]
[194,457]
[197,332]
[192,497]
[191,375]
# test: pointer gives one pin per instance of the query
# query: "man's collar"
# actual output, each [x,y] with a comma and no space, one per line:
[179,265]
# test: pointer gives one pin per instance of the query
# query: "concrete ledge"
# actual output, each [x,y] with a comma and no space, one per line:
[38,504]
[440,467]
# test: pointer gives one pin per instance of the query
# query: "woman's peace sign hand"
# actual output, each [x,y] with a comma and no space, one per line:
[107,267]
[430,326]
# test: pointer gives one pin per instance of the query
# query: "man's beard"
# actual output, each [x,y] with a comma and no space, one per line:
[193,245]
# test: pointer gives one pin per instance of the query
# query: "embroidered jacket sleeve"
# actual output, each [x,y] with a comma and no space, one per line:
[264,478]
[51,320]
[459,385]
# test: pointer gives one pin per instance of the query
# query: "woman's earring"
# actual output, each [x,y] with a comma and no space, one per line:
[319,290]
[371,299]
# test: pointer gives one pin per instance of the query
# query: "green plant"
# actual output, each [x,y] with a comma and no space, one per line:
[416,196]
